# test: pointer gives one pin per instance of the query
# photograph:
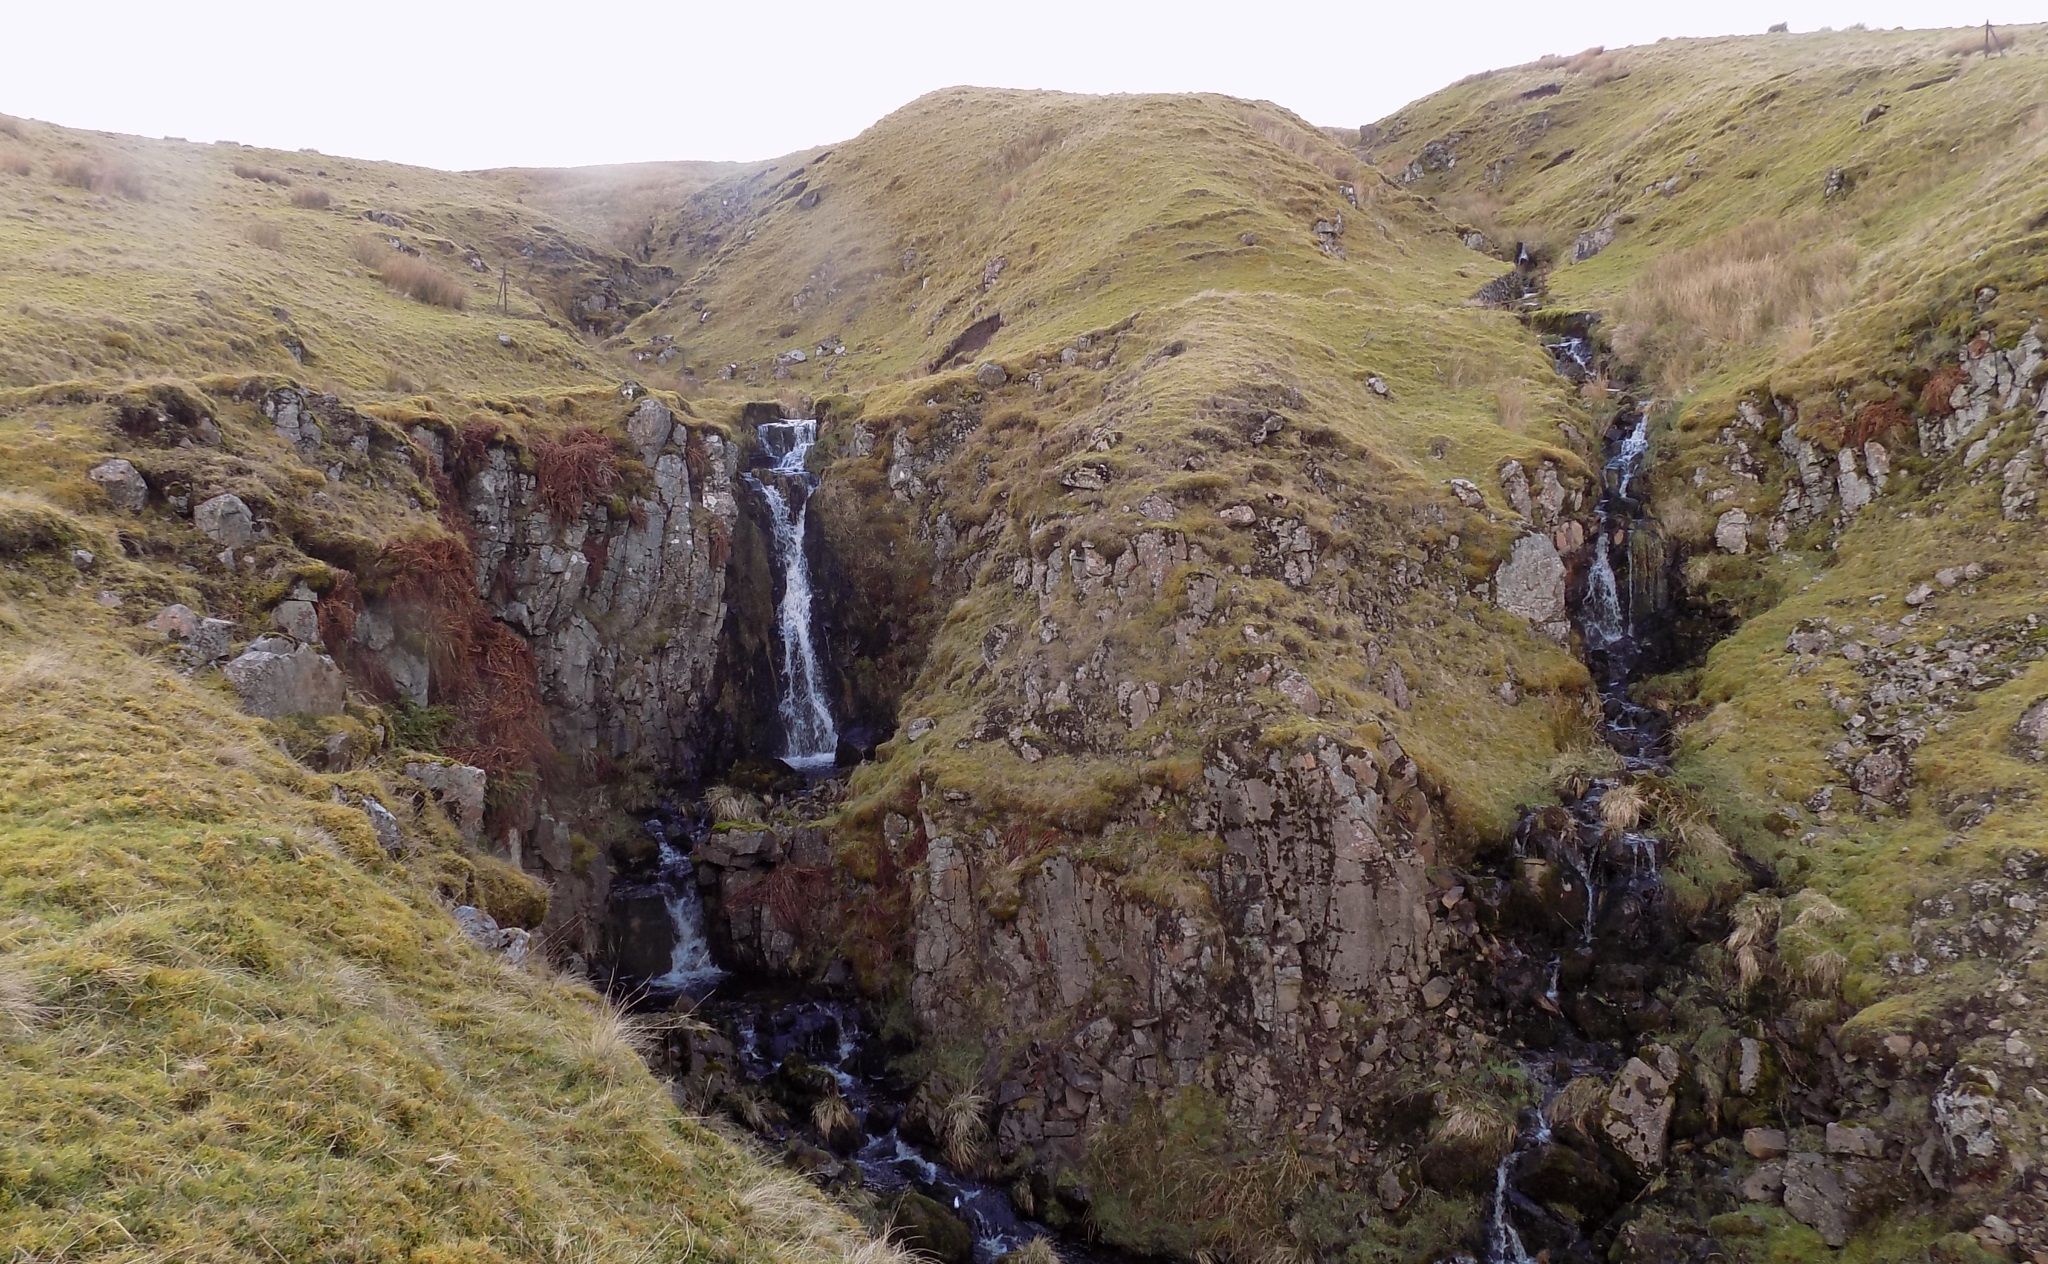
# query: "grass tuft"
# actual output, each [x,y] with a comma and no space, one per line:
[101,174]
[312,199]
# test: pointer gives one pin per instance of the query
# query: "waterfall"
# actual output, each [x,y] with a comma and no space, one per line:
[809,737]
[1628,458]
[1602,620]
[690,964]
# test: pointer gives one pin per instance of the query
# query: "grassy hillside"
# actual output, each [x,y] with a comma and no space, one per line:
[233,1025]
[1815,240]
[124,258]
[1193,298]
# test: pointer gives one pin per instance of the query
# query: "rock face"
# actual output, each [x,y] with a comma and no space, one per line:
[623,611]
[277,678]
[1321,912]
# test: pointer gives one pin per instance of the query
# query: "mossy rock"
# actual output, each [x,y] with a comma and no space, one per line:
[924,1224]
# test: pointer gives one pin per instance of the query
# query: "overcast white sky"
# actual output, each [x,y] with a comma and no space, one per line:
[451,84]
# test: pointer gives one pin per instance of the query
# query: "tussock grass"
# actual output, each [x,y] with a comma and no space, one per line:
[421,281]
[267,175]
[312,199]
[1623,808]
[265,234]
[1757,280]
[729,803]
[101,174]
[16,161]
[964,1120]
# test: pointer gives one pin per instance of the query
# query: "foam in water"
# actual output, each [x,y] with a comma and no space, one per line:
[810,738]
[1628,458]
[690,963]
[1602,618]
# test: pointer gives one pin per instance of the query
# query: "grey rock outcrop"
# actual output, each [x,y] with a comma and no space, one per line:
[277,678]
[623,611]
[458,788]
[225,520]
[1531,583]
[125,487]
[510,943]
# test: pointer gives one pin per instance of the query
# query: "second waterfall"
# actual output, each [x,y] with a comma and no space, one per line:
[809,736]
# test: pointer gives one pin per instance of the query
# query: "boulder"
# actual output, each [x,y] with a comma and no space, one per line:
[1765,1143]
[1816,1197]
[225,520]
[1637,1116]
[924,1224]
[649,428]
[919,727]
[125,487]
[297,619]
[1731,532]
[275,678]
[458,788]
[1531,583]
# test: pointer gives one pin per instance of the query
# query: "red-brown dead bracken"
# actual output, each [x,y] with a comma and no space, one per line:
[581,466]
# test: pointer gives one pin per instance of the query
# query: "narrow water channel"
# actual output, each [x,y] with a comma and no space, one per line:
[1611,873]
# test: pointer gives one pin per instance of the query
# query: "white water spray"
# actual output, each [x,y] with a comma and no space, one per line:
[690,963]
[810,738]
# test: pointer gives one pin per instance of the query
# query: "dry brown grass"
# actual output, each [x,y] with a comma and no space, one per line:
[312,199]
[10,126]
[267,175]
[265,234]
[579,468]
[1511,407]
[101,174]
[729,803]
[965,1123]
[20,1004]
[423,282]
[15,161]
[1763,278]
[1623,808]
[1756,926]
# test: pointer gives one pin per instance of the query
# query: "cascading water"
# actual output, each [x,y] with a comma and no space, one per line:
[810,738]
[691,970]
[1617,868]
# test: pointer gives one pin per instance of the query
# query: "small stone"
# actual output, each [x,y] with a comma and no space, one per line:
[504,340]
[1919,594]
[1766,1184]
[82,559]
[1238,516]
[1390,1192]
[389,836]
[920,728]
[991,375]
[125,487]
[225,520]
[1765,1143]
[1378,386]
[1731,532]
[1436,991]
[111,600]
[1853,1140]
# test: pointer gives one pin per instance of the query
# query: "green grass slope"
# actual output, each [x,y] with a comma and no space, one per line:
[1833,230]
[1157,270]
[124,258]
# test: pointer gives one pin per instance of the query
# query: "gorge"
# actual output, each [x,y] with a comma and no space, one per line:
[1113,676]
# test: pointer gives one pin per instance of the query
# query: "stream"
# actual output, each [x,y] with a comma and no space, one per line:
[1584,973]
